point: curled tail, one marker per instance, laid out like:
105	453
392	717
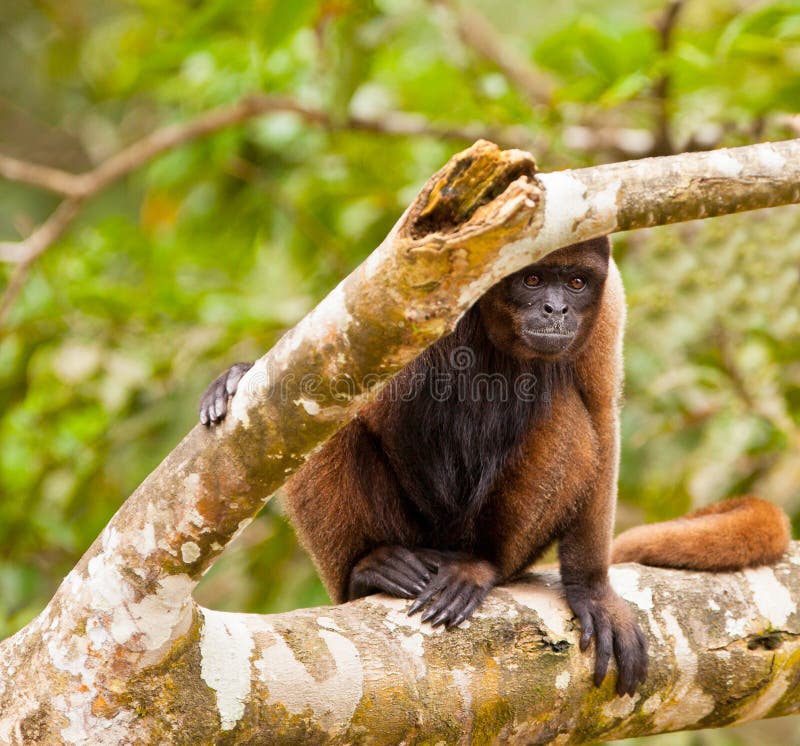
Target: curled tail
730	535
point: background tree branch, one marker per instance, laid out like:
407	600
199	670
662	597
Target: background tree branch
78	188
663	144
123	619
477	33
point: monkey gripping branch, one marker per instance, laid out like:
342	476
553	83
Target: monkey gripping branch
122	654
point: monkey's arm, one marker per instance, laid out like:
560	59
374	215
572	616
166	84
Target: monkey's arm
347	507
338	522
585	547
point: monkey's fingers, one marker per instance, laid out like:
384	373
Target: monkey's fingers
410	585
432	589
208	408
462	606
587	627
615	631
477	596
433	559
407	562
214	403
383	580
604	642
455	604
365	581
400	564
392	569
595	622
438	608
630	651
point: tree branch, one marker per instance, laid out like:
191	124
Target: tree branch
666	26
26	252
172	136
123	620
43	177
477	32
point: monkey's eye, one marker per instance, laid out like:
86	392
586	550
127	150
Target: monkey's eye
577	283
532	281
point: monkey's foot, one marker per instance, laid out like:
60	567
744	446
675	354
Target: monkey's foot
606	617
456	590
214	404
392	569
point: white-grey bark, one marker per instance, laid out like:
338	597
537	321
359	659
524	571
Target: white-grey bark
123	655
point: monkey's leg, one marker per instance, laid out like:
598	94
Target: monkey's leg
458	588
392	569
214	403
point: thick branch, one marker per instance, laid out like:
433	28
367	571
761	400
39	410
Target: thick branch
725	649
126	606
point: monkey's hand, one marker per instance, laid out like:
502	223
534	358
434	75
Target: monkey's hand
392	569
456	590
214	404
606	617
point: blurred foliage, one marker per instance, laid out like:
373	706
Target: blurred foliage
206	254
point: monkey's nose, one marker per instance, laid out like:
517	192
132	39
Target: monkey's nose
549	309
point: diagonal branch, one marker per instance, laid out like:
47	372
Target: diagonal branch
44	177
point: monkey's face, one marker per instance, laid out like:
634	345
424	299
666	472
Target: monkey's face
547	310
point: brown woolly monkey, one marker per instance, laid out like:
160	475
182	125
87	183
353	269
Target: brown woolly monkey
498	440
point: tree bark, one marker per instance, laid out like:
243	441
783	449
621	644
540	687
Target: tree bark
123	655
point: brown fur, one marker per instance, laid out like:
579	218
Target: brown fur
563	485
354	507
439	501
731	535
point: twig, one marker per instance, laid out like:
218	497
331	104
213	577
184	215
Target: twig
21	252
43	177
666	26
26	252
478	33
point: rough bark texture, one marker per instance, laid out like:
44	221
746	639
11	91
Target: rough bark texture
123	655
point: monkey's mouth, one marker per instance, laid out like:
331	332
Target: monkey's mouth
554	333
548	340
